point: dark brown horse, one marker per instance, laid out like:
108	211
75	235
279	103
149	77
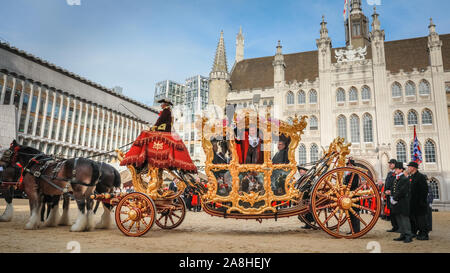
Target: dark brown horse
8	178
43	175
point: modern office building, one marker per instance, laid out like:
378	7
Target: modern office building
61	113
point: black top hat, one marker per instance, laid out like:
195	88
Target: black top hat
351	161
399	165
413	164
393	161
165	101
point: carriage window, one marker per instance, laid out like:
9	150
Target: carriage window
251	182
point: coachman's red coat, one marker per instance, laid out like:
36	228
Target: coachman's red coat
160	147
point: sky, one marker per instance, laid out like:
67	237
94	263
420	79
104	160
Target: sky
137	43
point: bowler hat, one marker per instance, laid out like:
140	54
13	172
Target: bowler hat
413	164
399	165
165	101
393	161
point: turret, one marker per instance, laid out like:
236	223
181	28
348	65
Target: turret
278	66
219	78
239	46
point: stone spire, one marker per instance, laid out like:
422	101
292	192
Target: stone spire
219	79
376	25
279	65
239	46
220	60
355	7
323	29
432	26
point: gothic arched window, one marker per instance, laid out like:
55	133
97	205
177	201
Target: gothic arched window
410	89
342	127
399	119
290	98
427	117
412	118
424	88
354	129
396	90
302	154
401	151
365	93
430	151
434	185
314	153
353	94
367	128
313	123
301	97
312	96
340	95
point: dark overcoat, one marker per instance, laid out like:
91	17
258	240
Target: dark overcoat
389	182
401	193
419	194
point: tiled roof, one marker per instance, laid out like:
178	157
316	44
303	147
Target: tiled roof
402	54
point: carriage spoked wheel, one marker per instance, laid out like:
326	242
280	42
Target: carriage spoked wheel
312	222
135	214
171	214
351	196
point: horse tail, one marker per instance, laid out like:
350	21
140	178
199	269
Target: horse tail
117	180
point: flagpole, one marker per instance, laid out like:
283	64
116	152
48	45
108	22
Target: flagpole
349	23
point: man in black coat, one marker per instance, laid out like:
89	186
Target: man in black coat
400	201
390	178
419	202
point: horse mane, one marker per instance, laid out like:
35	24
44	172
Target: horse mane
29	150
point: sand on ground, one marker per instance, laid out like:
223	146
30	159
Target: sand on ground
202	233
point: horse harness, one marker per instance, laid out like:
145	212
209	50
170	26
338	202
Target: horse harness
49	161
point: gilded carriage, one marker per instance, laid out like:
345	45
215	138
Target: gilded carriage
342	201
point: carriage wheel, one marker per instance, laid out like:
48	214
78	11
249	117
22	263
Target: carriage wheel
313	224
171	217
135	214
343	204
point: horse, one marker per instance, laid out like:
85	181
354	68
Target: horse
8	191
108	180
43	175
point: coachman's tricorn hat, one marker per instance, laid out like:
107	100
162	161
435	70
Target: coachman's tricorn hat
165	101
